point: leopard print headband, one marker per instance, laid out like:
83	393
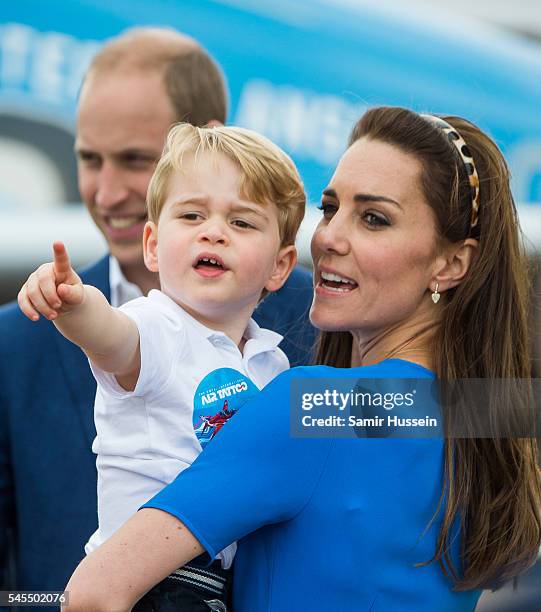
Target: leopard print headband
465	155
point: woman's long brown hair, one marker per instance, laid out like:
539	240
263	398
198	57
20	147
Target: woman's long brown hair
490	485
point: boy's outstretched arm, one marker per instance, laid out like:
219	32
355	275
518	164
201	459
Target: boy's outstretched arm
83	315
144	551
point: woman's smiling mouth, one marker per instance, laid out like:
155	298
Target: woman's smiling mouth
330	283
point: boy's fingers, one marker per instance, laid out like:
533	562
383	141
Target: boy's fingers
71	295
62	265
37	299
26	306
47	284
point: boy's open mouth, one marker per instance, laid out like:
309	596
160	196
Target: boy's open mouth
209	265
208	262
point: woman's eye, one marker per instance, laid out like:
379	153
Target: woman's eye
328	209
374	220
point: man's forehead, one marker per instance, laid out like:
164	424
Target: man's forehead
125	95
120	137
121	148
122	74
117	115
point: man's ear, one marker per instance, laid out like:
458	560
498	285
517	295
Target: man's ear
284	264
455	262
150	246
214	123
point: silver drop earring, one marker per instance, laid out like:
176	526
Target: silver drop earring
435	295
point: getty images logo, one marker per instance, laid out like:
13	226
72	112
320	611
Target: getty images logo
334	399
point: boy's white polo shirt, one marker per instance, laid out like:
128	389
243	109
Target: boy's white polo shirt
191	377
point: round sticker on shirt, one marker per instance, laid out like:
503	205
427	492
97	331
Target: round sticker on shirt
217	398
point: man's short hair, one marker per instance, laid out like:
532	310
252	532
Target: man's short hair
268	174
192	79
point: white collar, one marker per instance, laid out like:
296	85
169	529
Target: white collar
122	290
254	332
257	338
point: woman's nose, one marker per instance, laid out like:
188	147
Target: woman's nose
331	237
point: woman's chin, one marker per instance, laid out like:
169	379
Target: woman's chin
326	321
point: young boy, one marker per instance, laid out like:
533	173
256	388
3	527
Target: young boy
224	207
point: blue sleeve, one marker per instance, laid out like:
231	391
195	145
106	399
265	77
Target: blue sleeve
286	312
253	474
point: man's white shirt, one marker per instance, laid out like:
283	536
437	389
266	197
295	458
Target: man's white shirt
122	290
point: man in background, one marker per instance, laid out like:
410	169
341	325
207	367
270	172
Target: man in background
137	86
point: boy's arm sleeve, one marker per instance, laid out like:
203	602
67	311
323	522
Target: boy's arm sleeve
253	474
161	343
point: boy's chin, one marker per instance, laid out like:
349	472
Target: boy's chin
210	308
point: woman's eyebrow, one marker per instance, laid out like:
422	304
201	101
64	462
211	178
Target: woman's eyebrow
362	197
371	197
330	192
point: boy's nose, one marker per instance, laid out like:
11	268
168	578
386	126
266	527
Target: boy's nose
214	233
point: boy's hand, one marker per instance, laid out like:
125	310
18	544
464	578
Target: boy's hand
54	288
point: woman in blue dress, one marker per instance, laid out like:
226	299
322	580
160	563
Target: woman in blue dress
419	273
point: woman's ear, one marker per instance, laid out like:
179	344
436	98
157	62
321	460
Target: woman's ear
455	262
150	246
284	264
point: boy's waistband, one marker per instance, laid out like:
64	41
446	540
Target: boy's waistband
212	580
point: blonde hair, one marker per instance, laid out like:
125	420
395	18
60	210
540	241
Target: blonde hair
193	81
268	174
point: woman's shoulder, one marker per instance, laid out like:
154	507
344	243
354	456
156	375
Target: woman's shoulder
398	368
389	368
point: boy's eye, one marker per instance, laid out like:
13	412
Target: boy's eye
374	220
242	224
328	209
191	216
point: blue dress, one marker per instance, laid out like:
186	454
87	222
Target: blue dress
324	524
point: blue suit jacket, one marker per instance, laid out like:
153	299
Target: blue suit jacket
47	469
